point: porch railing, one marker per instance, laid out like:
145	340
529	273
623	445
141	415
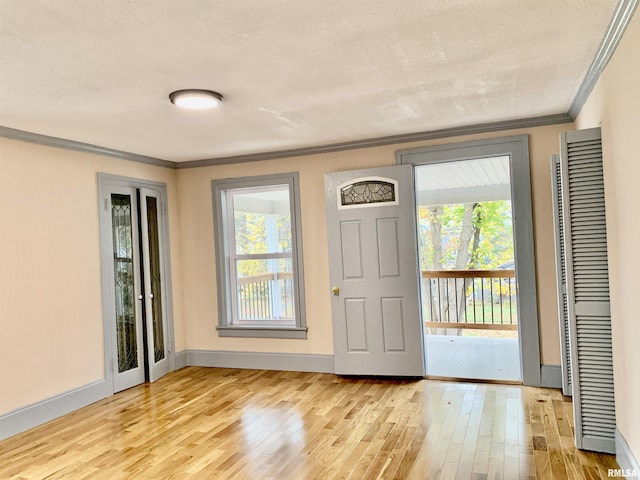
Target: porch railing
267	296
472	299
452	299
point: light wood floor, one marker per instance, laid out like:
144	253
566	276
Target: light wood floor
247	424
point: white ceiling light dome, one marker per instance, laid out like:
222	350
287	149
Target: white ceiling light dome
196	99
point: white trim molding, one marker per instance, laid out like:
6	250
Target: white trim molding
30	416
618	24
516	147
527	122
223	192
316	363
551	376
33	415
625	457
108	183
180	360
56	142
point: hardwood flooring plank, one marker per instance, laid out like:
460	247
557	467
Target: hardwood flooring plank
202	423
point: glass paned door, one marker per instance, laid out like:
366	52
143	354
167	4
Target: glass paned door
135	299
128	330
153	286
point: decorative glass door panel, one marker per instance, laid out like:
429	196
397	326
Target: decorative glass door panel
375	302
129	359
124	282
153	286
154	273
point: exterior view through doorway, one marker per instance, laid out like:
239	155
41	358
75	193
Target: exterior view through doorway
467	264
494	286
376	273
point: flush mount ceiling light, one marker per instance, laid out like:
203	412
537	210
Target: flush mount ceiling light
195	99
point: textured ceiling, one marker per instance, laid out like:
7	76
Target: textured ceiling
294	73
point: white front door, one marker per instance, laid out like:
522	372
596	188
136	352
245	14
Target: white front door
373	261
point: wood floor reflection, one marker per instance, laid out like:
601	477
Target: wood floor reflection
248	424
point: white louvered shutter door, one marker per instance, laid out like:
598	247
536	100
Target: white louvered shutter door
561	274
588	290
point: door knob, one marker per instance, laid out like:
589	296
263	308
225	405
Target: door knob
151	295
139	297
335	291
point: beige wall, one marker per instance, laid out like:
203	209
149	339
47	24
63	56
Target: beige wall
615	106
50	295
196	234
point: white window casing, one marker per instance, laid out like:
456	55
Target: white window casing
269	302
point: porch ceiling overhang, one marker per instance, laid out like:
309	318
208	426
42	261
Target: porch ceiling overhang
486	179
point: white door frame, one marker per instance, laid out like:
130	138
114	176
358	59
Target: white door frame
517	148
107	182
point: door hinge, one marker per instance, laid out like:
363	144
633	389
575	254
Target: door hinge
113	365
106	204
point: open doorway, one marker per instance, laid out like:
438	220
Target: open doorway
467	265
515	151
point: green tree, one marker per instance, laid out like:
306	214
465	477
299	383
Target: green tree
251	238
462	237
465	236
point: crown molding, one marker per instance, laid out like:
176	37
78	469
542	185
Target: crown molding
294	152
381	141
56	142
619	21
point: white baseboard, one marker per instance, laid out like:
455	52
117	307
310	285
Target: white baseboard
551	376
625	457
30	416
180	360
261	361
38	413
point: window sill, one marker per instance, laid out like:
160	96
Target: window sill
262	332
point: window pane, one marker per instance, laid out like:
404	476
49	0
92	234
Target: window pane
265	290
364	193
261	220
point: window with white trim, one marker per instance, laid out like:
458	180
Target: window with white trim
259	256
